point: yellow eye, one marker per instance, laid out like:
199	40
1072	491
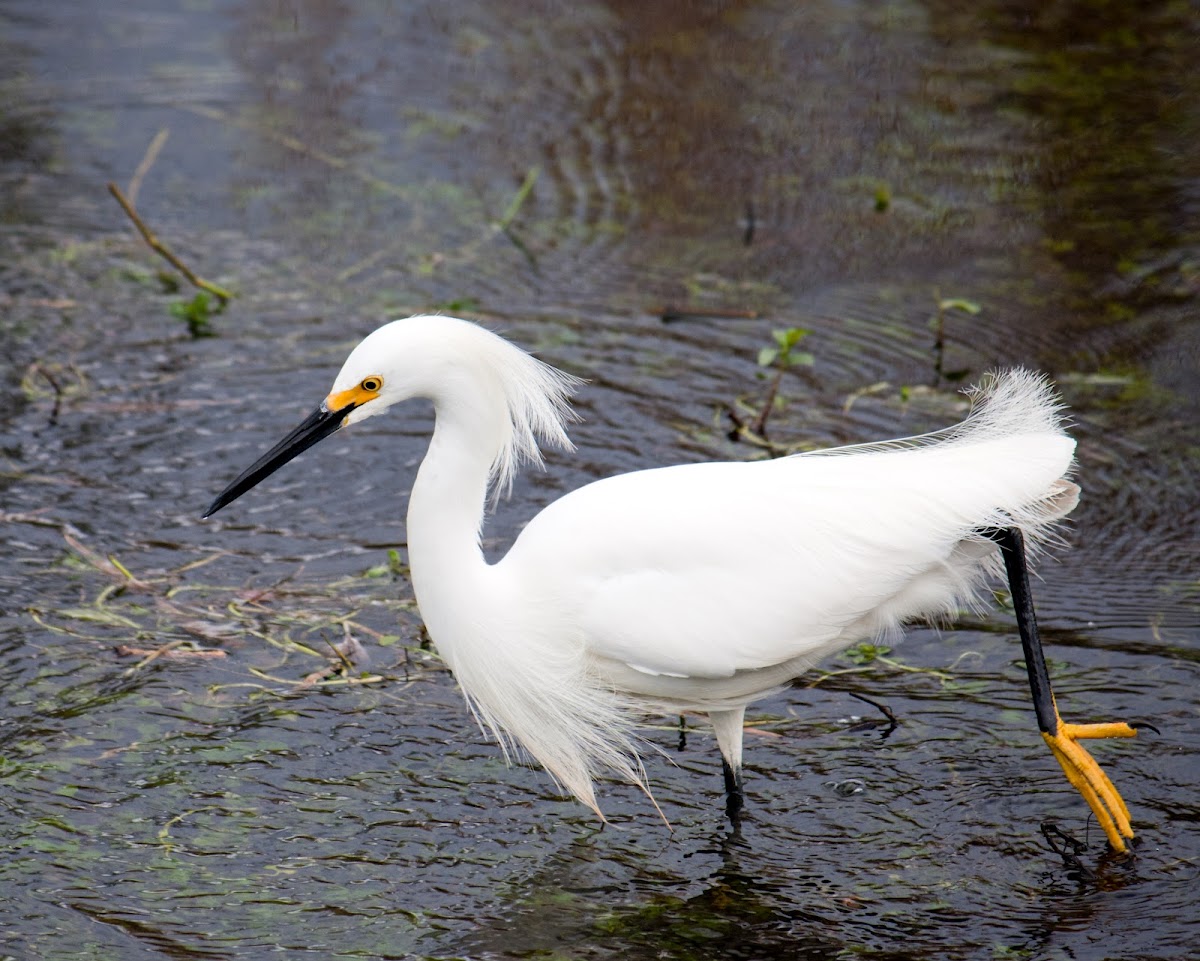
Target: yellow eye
371	384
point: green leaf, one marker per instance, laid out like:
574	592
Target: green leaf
196	313
766	356
866	652
793	335
957	303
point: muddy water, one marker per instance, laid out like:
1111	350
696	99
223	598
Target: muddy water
186	774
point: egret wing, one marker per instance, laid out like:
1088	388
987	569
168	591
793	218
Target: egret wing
709	569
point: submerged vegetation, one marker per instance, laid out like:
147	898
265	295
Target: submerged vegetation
194	755
313	629
937	324
197	313
775	361
296	633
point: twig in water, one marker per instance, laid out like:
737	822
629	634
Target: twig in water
741	431
504	224
882	709
169	651
151	155
37	520
223	295
519	198
760	424
368	261
938	323
1069	850
58	392
669	313
150	656
302	148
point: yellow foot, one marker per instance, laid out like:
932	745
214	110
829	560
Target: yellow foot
1089	780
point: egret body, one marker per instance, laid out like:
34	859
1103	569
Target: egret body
699	587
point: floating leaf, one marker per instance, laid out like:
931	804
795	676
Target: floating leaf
865	652
958	303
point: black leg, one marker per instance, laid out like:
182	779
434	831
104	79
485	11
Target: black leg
735	796
1012	549
1061	737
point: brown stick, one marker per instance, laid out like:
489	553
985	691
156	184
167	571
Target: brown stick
760	424
300	147
169	651
165	252
152	152
37	368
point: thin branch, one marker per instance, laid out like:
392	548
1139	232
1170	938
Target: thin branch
300	147
522	194
162	250
37	368
760	424
152	152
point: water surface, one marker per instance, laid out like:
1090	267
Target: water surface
182	779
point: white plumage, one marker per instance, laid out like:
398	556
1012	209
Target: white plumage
702	586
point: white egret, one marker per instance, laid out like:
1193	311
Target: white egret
699	587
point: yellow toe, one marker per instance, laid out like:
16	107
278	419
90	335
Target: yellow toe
1108	729
1090	780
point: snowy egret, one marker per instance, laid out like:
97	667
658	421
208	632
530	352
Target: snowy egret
703	586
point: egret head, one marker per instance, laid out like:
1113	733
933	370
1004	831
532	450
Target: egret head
515	399
366	385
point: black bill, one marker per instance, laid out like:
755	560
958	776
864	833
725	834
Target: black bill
317	426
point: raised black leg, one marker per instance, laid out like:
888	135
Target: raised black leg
1012	549
1061	737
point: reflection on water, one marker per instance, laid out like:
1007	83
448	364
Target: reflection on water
1117	137
185	769
732	911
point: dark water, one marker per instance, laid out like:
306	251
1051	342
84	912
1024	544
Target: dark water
838	167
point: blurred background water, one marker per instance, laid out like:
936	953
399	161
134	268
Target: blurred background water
187	770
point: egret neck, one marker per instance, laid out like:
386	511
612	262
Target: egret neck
450	576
